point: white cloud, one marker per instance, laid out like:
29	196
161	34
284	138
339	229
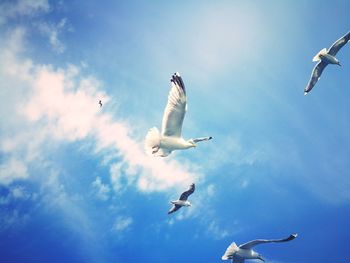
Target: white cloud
12	170
70	111
102	190
12	9
62	105
121	224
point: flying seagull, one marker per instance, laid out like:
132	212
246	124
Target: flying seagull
177	204
100	102
325	57
170	139
239	253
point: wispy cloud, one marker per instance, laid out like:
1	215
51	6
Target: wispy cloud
121	224
11	215
12	218
12	170
11	9
216	231
53	31
102	190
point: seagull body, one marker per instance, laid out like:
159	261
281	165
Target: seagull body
182	201
173	143
325	57
329	59
242	252
170	139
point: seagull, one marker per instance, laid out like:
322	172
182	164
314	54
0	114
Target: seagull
239	253
100	102
170	139
177	204
325	57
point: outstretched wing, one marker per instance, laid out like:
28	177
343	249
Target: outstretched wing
187	193
253	243
237	260
337	45
175	110
230	251
174	208
315	76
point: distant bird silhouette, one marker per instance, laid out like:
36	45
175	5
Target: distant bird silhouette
239	253
100	102
325	57
177	204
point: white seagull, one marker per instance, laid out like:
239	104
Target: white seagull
170	139
325	57
177	204
242	252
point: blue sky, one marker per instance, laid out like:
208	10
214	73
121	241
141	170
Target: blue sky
75	184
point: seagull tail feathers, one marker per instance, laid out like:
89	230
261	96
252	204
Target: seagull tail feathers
317	57
152	142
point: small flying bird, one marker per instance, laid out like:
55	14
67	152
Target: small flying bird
100	102
242	252
177	204
325	57
170	139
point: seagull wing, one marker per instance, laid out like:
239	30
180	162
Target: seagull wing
253	243
230	251
315	76
237	260
337	45
175	110
187	193
174	208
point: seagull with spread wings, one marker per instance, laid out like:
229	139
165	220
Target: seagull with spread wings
325	57
177	204
170	139
245	251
